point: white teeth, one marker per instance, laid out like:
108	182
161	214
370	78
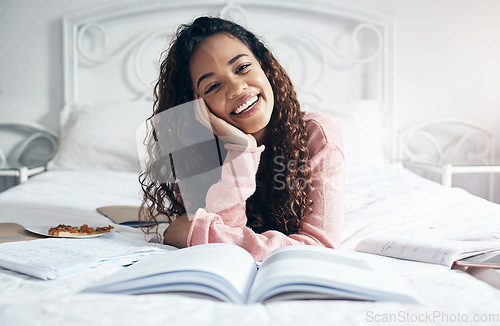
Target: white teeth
246	105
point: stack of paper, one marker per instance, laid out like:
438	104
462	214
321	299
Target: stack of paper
54	257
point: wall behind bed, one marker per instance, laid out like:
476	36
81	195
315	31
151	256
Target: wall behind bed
446	65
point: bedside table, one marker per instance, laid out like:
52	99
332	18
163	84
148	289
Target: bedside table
448	170
16	165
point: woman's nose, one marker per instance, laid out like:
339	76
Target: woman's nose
236	87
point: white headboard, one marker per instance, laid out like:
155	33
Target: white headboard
332	52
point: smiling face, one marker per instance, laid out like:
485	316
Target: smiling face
230	79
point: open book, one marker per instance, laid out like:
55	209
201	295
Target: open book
124	214
229	273
426	250
121	214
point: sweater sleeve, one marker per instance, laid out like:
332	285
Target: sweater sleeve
227	198
319	227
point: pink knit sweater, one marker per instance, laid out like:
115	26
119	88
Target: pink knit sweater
224	218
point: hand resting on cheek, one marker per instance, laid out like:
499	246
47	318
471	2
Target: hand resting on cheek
221	128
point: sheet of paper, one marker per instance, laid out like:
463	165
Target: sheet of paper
52	257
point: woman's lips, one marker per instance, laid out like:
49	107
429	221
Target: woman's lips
245	100
250	111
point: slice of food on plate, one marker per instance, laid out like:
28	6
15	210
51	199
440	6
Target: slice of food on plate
63	230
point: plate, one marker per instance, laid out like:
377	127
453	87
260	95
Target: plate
44	230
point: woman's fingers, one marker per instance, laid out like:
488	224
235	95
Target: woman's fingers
201	113
207	118
222	129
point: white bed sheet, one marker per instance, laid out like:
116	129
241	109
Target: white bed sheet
392	200
70	197
381	199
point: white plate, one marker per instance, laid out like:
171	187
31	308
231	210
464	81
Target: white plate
44	230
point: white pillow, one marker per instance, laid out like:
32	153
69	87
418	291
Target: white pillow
363	137
100	136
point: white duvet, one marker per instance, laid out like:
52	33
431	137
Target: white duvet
386	199
393	200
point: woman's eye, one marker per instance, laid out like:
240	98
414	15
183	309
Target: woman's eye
243	67
211	88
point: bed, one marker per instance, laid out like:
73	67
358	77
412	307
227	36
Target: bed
341	60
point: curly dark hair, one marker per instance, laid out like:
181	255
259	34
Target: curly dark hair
278	203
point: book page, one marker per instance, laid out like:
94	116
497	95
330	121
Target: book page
427	250
52	257
487	260
218	266
310	272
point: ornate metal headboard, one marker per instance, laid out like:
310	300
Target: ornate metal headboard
449	141
332	52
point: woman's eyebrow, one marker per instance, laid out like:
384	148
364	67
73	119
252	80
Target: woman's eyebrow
210	74
230	62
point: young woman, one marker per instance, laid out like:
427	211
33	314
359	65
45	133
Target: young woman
282	181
